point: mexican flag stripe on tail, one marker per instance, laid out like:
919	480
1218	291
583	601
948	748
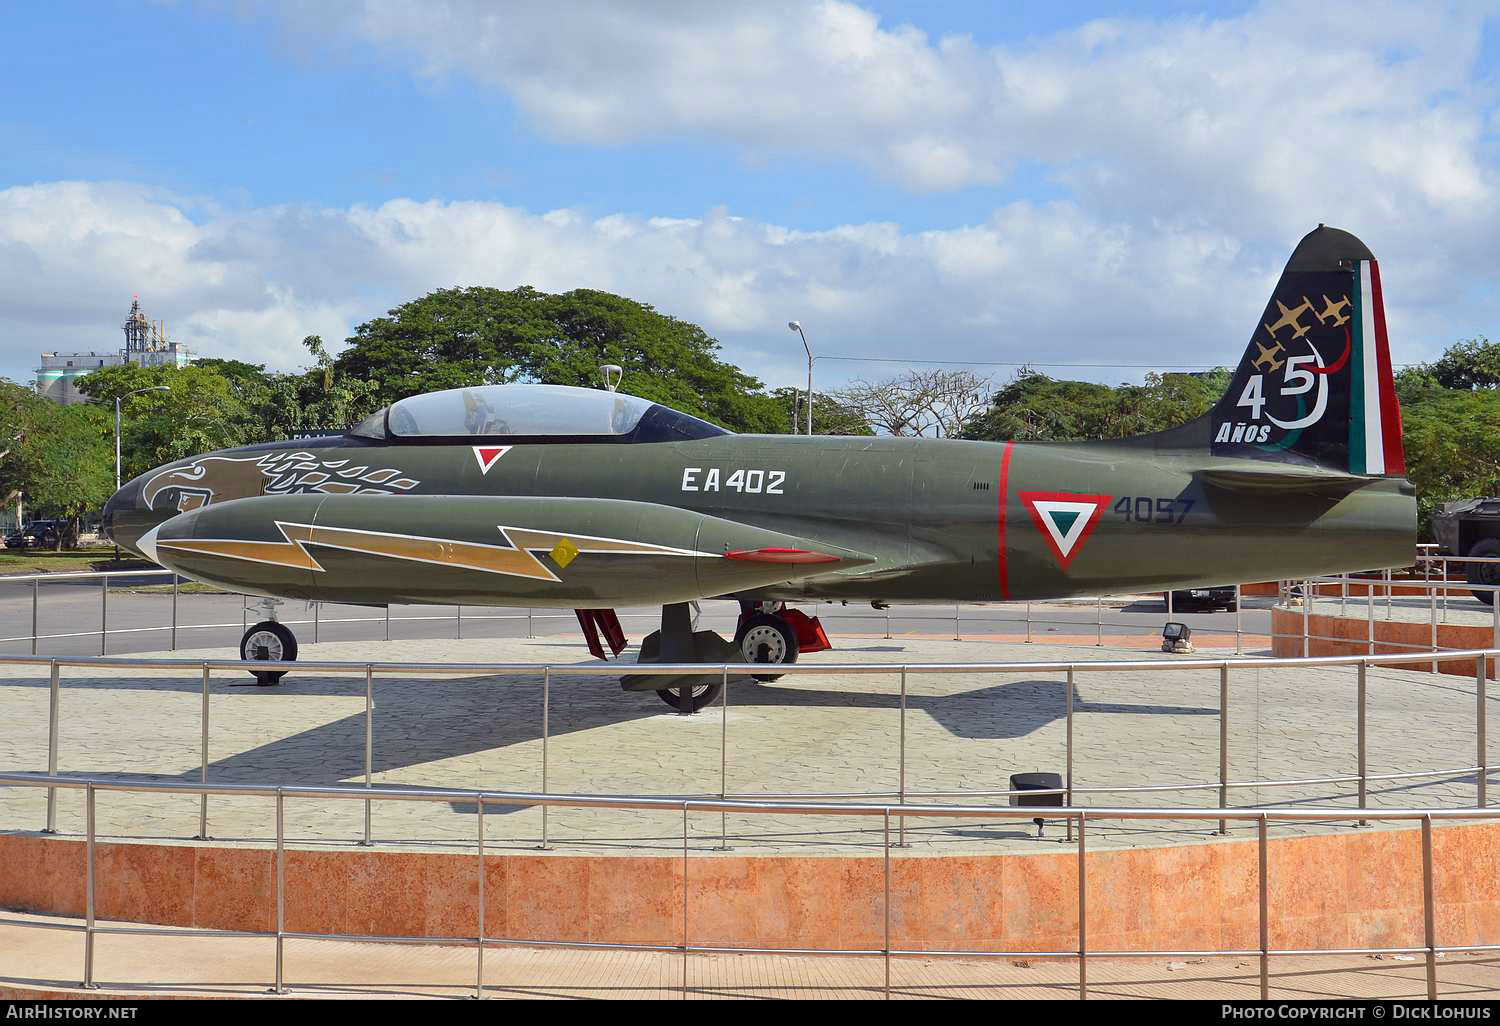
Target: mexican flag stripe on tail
1374	416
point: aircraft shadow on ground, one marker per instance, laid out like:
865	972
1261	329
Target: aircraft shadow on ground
418	722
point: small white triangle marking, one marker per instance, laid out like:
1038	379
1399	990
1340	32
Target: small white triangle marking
1065	541
488	455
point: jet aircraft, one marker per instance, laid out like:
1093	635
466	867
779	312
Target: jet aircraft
587	499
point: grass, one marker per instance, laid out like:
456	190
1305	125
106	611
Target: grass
96	558
47	561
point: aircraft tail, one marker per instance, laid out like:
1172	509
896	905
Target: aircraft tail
1315	386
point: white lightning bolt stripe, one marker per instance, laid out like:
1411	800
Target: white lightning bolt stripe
515	560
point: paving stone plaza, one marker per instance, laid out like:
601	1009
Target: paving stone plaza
834	734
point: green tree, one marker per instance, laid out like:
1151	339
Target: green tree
1468	364
199	412
469	336
55	458
1452	448
830	417
1035	407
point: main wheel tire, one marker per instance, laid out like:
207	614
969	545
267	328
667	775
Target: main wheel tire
268	640
764	638
699	697
1485	573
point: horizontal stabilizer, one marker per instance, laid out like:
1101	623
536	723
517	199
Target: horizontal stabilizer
1284	478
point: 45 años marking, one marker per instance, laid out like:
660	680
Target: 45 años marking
749	482
1147	509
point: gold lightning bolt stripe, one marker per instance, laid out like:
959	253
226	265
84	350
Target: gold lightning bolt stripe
516	560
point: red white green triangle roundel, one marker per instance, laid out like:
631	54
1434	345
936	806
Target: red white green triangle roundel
1065	519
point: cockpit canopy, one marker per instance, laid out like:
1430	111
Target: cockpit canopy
531	413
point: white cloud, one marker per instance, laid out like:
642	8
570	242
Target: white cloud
1355	111
1033	282
1195	141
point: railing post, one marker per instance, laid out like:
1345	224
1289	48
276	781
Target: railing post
1343	592
955	623
1429	931
724	756
1359	735
888	623
1224	745
369	744
1432	609
546	716
1370	616
53	726
1238	621
479	945
460	617
88	869
174	612
901	760
1388	592
529	633
1265	924
317	615
1068	751
280	891
684	899
103	613
1306	618
36	598
886	904
1099	607
1480	718
1083	909
387	622
203	762
1028	623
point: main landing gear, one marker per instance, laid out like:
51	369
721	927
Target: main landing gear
677	642
767	632
270	641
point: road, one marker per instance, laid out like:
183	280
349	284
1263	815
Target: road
70	613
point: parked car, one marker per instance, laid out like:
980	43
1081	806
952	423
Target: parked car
1207	599
1472	528
35	535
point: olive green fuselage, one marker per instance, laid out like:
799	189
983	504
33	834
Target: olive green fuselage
934	520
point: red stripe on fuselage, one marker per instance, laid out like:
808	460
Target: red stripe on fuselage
1390	409
1001	569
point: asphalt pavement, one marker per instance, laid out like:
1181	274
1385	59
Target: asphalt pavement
70	614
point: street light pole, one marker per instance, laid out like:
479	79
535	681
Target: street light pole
797	327
118	398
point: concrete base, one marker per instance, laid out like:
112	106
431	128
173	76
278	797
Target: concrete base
1330	635
1350	889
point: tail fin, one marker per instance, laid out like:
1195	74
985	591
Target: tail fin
1315	385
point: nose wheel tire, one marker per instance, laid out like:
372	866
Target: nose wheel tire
764	638
1485	573
700	697
271	641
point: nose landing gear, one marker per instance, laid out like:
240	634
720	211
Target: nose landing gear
268	641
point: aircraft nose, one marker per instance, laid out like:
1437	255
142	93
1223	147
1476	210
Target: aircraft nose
126	517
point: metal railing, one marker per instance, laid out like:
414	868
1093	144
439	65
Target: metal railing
972	614
1308	591
1069	791
995	613
481	940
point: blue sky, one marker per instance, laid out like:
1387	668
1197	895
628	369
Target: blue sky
968	181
